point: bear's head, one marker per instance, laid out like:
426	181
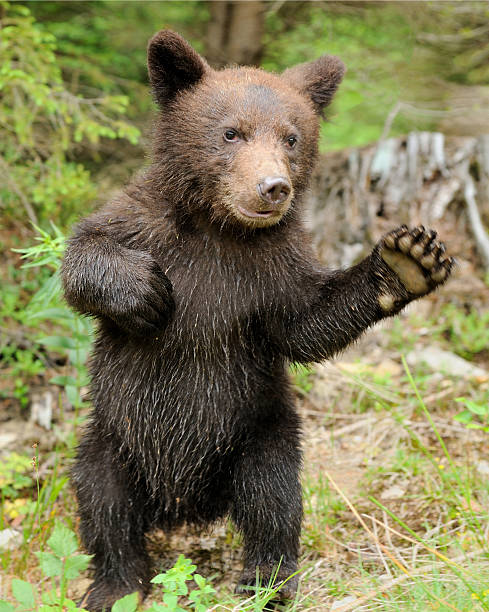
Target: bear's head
235	147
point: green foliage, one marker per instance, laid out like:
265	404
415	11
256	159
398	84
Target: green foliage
475	415
322	510
129	603
41	120
375	43
47	324
467	332
61	563
302	376
75	336
174	586
459	31
96	49
14	474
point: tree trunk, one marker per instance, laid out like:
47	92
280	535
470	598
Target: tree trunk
234	33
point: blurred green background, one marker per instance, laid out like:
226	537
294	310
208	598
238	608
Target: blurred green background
75	106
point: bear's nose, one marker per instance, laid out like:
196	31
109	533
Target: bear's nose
274	189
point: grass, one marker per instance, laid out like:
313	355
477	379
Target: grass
421	546
396	493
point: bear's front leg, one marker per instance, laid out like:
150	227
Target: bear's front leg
101	277
267	505
404	266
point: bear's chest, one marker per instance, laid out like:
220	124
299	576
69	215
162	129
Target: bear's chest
219	292
224	292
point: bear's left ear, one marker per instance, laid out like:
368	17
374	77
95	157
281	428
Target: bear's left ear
172	65
317	80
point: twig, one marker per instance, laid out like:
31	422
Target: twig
480	234
389	121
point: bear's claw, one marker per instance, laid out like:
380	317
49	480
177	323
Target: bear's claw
417	258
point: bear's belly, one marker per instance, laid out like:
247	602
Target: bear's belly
180	414
172	383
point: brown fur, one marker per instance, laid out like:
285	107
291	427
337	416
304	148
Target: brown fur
201	307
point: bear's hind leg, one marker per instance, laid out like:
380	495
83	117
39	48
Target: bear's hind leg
113	523
267	504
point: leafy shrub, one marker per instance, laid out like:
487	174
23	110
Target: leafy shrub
47	305
61	563
41	123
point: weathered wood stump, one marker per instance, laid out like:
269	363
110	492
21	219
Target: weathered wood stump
359	194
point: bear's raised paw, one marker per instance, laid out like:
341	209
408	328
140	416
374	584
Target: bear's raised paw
417	258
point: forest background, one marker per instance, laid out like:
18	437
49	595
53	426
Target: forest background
75	122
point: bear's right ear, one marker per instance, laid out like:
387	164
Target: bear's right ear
172	65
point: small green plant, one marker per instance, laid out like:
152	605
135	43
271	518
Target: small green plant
14	475
61	563
475	415
47	306
174	586
467	332
322	509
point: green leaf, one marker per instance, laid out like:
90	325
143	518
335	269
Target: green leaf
51	313
59	342
129	603
50	597
50	564
159	579
463	417
5	606
72	395
24	593
478	409
75	565
63	381
200	581
62	541
171	600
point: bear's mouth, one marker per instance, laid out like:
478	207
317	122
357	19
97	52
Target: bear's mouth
257	214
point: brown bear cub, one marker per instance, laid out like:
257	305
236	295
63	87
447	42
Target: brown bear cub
204	287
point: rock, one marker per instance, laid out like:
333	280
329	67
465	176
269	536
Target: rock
337	605
42	408
6	439
10	539
448	363
393	492
483	467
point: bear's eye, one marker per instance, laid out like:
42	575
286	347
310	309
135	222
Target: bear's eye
231	135
291	141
